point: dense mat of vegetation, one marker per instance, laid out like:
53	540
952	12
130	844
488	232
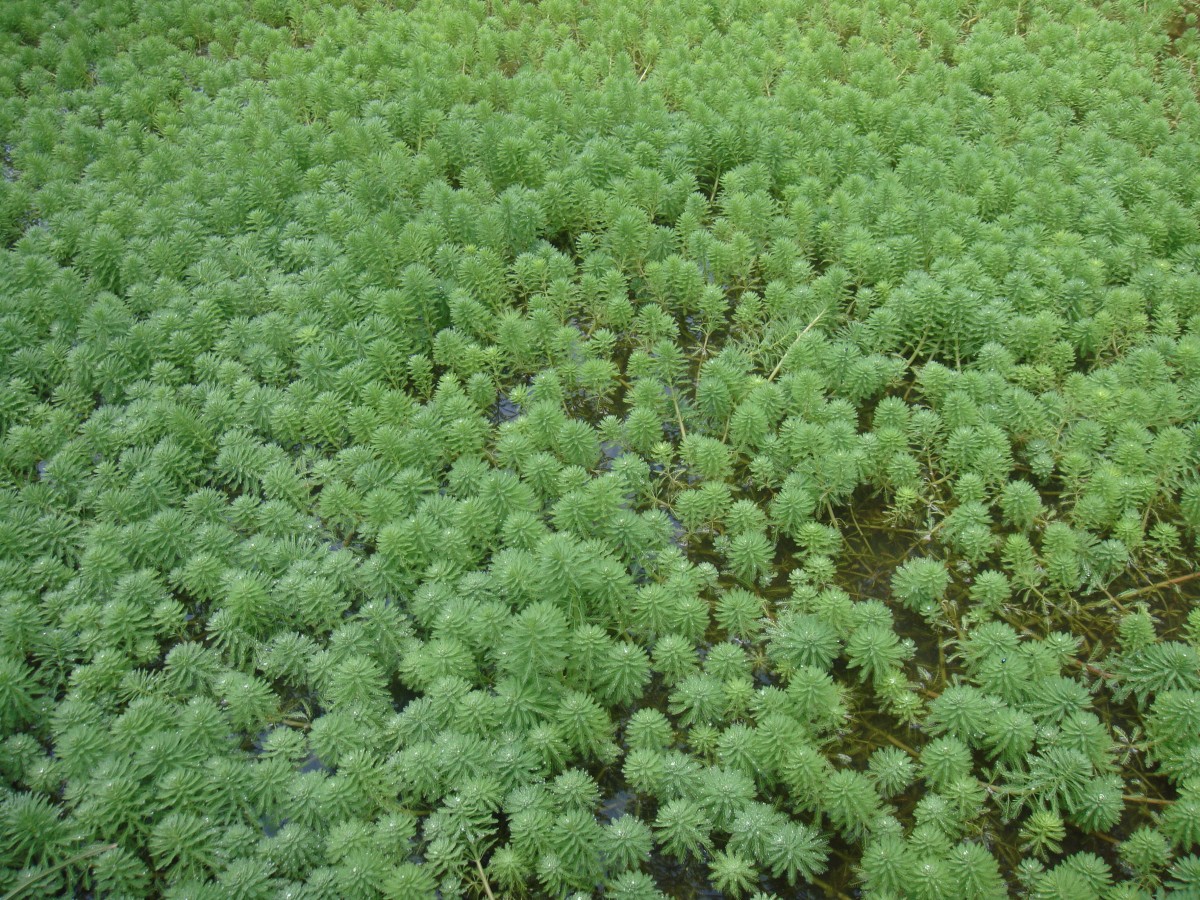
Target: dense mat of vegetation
498	448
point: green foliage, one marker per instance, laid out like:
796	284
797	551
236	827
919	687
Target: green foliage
875	650
849	800
964	713
732	874
739	613
17	690
1145	852
799	639
892	770
796	851
505	448
681	829
1042	833
1147	671
750	555
1181	822
920	584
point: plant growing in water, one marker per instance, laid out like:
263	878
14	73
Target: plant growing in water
531	449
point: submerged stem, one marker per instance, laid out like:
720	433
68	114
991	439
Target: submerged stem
1150	588
487	888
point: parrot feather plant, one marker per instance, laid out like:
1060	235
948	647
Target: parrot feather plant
632	449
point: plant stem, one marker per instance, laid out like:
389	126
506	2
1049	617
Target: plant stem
1148	801
895	741
41	876
678	415
807	329
1170	582
487	888
830	890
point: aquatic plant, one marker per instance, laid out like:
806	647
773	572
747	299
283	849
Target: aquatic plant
529	449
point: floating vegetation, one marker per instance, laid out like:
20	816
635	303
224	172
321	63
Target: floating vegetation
500	449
